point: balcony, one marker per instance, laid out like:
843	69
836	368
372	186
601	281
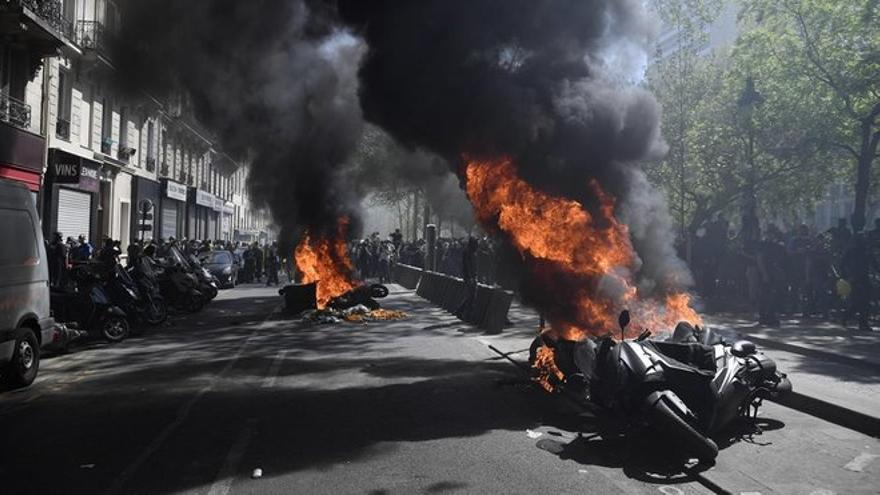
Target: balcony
62	129
92	35
14	112
49	14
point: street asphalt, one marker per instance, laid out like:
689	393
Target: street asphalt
422	405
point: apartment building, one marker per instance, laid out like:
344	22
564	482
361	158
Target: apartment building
102	164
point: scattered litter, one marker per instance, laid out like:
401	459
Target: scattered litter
583	471
86	466
258	473
355	314
860	462
533	434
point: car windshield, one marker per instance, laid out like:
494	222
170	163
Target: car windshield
219	258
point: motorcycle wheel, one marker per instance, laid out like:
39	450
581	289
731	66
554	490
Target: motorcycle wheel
691	442
157	312
210	292
114	329
378	291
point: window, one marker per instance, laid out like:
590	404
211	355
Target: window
123	152
18	225
151	137
62	125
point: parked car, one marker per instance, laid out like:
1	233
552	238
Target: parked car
25	321
223	265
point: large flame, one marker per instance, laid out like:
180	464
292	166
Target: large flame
580	262
324	259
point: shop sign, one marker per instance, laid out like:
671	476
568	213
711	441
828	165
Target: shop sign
204	198
89	178
175	190
218	204
229	208
66	172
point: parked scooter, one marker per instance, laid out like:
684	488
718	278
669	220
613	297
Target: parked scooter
87	307
178	284
688	387
208	284
139	305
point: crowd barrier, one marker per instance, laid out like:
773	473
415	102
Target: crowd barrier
491	304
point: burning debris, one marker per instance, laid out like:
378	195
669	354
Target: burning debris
354	314
324	260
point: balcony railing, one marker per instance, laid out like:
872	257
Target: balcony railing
163	170
93	35
62	129
51	11
14	112
106	146
151	164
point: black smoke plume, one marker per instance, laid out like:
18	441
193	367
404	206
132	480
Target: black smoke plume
275	80
524	79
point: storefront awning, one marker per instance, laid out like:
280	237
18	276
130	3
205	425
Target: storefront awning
27	177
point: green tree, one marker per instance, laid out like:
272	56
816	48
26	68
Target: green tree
821	61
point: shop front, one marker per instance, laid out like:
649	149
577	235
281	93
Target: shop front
173	210
22	157
203	220
226	214
71	207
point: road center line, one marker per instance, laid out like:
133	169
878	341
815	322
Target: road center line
182	414
223	484
269	381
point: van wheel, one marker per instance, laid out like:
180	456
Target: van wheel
22	370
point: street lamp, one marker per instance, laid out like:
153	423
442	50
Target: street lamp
748	100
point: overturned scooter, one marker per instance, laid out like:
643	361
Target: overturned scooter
688	387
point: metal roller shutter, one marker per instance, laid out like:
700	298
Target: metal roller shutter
74	213
169	219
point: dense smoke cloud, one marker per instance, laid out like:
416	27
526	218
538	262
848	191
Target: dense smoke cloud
275	80
524	79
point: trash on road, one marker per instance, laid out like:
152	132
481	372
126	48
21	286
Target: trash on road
258	473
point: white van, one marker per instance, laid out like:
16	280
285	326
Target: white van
25	324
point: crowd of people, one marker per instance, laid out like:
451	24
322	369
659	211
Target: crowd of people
258	261
795	272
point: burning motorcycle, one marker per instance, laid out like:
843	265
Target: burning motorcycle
688	387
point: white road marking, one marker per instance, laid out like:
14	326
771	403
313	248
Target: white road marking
182	414
670	490
860	462
269	381
223	484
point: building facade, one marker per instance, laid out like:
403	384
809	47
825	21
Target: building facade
102	164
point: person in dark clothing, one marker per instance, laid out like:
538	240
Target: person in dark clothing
469	274
771	258
857	264
840	237
396	239
57	254
272	263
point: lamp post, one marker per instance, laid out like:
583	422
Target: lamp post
748	100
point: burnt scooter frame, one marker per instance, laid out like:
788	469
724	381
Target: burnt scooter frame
637	384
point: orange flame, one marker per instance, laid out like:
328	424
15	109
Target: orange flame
565	245
545	365
325	260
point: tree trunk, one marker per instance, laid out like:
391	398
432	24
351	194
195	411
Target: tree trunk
867	152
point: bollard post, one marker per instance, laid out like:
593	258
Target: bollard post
431	241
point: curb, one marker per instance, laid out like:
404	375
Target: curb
814	353
847	418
